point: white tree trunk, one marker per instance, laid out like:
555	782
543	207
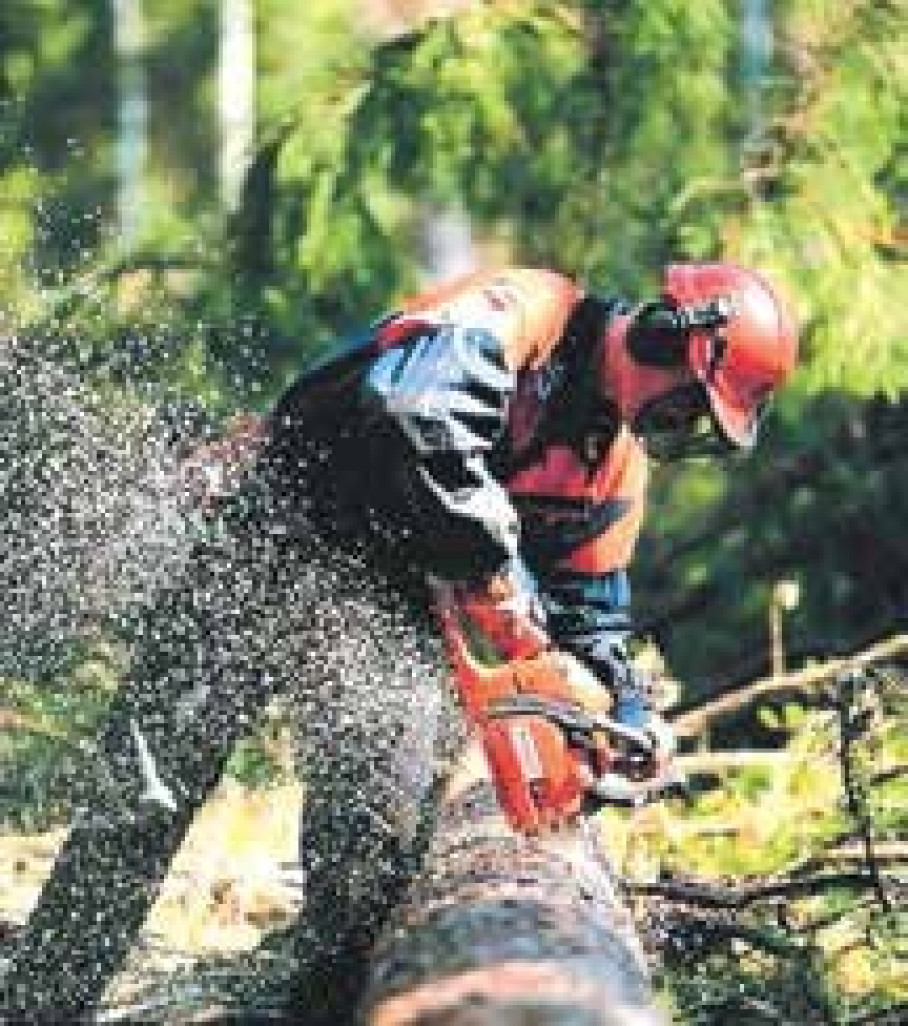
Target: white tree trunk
448	248
756	53
132	116
236	97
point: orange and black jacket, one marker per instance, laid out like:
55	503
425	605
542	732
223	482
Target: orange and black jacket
469	425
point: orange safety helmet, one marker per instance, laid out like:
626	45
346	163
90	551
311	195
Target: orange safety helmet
741	340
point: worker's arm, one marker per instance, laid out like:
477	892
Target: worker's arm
589	615
438	407
439	396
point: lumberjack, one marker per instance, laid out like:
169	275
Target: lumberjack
483	452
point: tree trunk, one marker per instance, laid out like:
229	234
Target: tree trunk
503	929
132	116
236	98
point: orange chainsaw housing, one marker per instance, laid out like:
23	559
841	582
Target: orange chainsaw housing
539	779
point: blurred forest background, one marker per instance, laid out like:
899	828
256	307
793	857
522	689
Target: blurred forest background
199	196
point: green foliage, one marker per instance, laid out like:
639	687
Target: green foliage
817	957
44	47
604	139
832	181
42	724
519	115
820	504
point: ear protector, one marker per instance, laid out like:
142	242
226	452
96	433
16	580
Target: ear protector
660	330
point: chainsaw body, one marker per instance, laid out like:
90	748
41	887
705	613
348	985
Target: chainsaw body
553	750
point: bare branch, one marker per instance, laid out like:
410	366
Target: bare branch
711	896
730	759
694	721
883	1016
855	789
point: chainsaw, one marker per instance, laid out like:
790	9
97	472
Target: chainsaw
552	748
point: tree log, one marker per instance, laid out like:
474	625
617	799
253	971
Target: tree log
503	929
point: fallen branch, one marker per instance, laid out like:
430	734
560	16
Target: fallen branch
694	721
501	928
891	1016
884	854
692	935
712	896
887	775
730	759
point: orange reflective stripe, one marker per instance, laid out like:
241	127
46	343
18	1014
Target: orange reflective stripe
526	308
622	474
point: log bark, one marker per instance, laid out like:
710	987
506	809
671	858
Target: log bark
502	929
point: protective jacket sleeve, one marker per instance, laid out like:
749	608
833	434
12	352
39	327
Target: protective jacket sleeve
443	387
444	398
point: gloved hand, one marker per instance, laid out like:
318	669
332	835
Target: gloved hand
660	730
634	707
505	611
536	717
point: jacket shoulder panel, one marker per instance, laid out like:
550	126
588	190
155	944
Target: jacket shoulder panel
525	308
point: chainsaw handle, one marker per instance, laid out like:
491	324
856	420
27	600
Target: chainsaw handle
617	790
574	721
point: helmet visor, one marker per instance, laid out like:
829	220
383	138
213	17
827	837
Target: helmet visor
681	424
738	410
738	401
